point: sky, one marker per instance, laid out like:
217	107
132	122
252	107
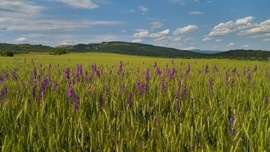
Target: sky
182	24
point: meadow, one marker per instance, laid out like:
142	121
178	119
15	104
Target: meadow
108	102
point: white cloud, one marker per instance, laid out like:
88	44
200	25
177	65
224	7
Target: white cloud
27	24
155	25
243	25
22	15
222	29
231	44
143	9
21	39
219	40
261	29
244	21
245	46
196	13
137	41
185	30
141	33
159	34
19	8
206	39
86	4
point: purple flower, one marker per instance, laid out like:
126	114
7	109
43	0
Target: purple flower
14	75
138	85
120	68
1	79
102	103
129	99
55	85
144	88
79	72
234	70
76	102
179	84
35	72
176	95
3	91
123	87
67	73
158	71
232	125
184	92
187	71
107	89
34	91
177	106
98	73
43	87
147	76
94	68
163	84
232	120
249	77
255	68
70	92
206	68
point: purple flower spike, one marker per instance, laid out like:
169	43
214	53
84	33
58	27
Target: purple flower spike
232	125
184	92
70	92
67	73
234	70
76	102
147	76
129	99
206	68
120	69
163	84
102	103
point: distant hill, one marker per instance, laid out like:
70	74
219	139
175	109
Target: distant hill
134	49
24	48
244	54
138	49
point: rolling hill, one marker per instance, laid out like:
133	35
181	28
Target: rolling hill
138	49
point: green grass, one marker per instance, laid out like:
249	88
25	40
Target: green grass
111	117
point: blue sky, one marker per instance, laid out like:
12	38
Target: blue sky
181	24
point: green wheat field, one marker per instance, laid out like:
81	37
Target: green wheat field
108	102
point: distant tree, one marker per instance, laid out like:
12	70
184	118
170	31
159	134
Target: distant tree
7	53
58	52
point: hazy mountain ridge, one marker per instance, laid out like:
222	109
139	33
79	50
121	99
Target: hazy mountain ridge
137	49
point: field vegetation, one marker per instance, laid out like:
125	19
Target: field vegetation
109	102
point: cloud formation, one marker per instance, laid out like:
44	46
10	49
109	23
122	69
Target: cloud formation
143	9
141	33
185	30
86	4
155	25
243	27
21	15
